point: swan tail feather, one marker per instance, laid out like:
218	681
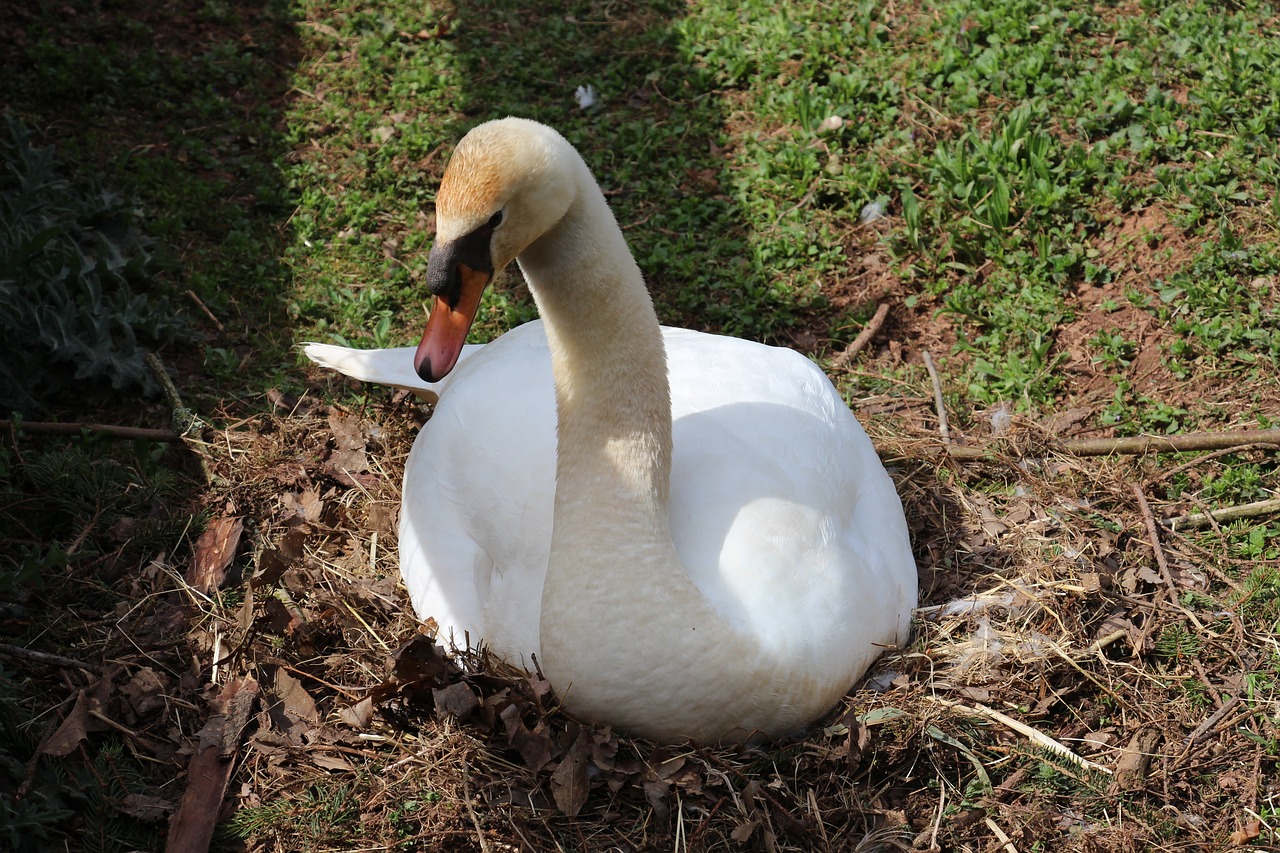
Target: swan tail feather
393	367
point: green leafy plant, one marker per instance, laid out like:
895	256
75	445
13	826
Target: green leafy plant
74	269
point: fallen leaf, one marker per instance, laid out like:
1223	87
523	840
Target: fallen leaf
305	505
535	747
298	703
1135	761
332	762
348	456
145	691
73	729
569	785
1246	833
655	792
421	659
359	715
457	700
145	807
215	549
743	832
1065	421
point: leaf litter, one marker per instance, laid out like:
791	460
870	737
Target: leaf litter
1055	666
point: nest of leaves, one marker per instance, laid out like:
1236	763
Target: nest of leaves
1081	676
1072	683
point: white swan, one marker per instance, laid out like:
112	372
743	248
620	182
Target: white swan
711	551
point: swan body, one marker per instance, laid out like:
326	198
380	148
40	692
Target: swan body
692	532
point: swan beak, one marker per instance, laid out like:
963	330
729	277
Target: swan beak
448	325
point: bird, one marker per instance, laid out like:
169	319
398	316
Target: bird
689	535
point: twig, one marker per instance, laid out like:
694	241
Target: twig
45	657
185	422
146	743
1164	475
1153	536
1230	513
1100	644
471	809
999	833
108	430
1171	443
1134	445
937	399
1022	728
864	337
205	309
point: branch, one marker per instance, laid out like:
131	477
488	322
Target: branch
937	400
1143	444
108	430
864	337
1230	513
45	658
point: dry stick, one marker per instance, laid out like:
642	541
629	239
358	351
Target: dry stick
1000	836
205	309
1153	535
1236	439
1206	458
108	430
45	657
864	337
1231	513
471	809
185	420
937	399
1022	728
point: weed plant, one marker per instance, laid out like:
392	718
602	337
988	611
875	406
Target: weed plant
75	271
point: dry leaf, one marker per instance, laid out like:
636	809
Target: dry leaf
569	785
332	762
1251	830
215	549
359	715
458	700
73	729
743	832
1135	762
145	807
298	703
348	456
305	505
534	747
145	691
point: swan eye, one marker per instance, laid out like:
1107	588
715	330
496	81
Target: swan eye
495	220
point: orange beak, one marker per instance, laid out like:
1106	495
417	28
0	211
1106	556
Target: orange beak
448	325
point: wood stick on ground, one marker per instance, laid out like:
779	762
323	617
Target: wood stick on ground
864	337
1153	536
45	658
1200	460
205	309
1134	445
943	427
208	774
107	430
1022	728
1004	840
471	809
1230	513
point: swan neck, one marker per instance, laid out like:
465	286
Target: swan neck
613	398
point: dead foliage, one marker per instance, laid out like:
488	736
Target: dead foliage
1081	677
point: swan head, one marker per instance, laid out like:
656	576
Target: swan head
508	183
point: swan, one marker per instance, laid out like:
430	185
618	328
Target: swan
691	533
